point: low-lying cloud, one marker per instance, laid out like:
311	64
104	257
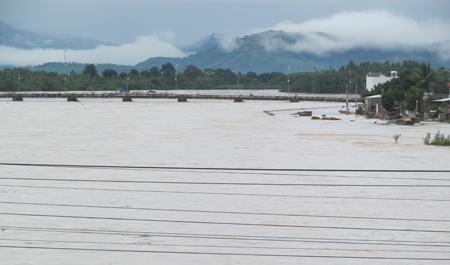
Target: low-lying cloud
126	54
380	29
228	44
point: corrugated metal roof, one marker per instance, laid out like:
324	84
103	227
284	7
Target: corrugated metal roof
374	96
442	100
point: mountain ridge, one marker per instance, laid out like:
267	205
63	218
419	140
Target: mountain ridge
269	51
26	39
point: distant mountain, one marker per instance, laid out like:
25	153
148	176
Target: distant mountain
211	40
25	39
261	53
268	51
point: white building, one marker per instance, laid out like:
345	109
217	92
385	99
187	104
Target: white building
375	78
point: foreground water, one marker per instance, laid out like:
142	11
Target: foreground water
71	215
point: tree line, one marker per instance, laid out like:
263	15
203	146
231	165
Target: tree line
408	90
167	77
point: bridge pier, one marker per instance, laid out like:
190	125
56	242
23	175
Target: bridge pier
127	99
182	100
17	99
238	100
72	99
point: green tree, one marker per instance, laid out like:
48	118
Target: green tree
388	99
167	70
134	72
90	70
424	76
413	95
155	71
192	72
109	73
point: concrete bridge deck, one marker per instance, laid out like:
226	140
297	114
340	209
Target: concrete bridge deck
175	96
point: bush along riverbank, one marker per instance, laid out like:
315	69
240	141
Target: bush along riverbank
439	139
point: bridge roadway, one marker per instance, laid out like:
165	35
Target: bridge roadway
175	96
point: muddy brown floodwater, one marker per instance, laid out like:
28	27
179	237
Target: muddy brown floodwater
194	209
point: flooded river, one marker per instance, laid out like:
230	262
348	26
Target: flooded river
217	182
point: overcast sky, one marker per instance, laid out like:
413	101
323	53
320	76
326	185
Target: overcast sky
147	28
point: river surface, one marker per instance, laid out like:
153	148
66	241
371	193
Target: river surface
206	182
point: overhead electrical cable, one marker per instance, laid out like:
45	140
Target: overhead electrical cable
230	169
226	253
389	242
223	212
409	230
218	246
231	183
226	193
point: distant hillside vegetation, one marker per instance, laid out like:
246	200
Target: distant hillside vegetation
251	54
259	53
25	39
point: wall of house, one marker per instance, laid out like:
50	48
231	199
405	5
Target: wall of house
373	105
371	82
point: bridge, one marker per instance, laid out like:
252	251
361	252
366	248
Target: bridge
19	96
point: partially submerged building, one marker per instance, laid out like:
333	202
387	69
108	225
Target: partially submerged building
375	78
373	104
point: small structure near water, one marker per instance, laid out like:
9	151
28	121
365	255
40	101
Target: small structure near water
324	117
305	113
127	99
399	120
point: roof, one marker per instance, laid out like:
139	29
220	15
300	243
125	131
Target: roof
374	96
442	100
375	74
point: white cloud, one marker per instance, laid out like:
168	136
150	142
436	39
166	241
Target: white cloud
126	54
228	44
376	29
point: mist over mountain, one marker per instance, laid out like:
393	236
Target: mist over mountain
271	51
268	51
25	39
211	40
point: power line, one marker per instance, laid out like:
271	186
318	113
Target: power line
218	246
225	254
223	212
223	223
237	237
260	173
230	169
229	183
228	193
303	175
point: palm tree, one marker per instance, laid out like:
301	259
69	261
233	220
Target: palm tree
425	78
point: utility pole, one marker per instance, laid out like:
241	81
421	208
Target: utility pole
65	66
19	79
127	80
346	88
356	97
176	81
288	80
238	79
